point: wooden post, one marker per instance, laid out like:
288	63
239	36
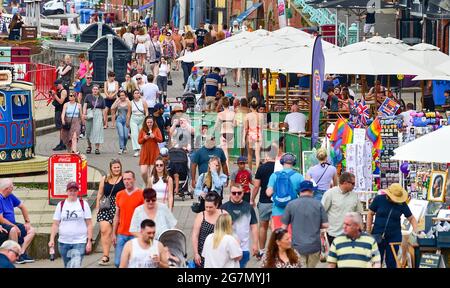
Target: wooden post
267	87
287	92
389	84
363	85
246	83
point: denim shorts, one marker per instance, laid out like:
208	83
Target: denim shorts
265	211
72	254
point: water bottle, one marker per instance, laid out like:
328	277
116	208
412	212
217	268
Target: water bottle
52	254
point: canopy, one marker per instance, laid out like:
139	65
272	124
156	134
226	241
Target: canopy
428	57
365	58
430	148
247	12
392	44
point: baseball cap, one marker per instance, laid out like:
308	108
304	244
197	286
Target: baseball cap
159	106
72	185
242	159
307	185
210	142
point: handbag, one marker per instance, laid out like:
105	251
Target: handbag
169	81
105	202
67	126
157	53
90	111
380	236
198	207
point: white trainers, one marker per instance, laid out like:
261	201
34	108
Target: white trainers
137	153
120	151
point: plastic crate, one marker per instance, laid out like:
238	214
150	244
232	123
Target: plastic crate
427	242
443	239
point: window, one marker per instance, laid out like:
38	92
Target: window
20	107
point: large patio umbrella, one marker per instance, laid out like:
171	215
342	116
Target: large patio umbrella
430	148
364	58
227	44
392	44
429	57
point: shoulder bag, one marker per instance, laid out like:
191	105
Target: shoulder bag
380	237
317	183
105	201
67	126
90	111
157	53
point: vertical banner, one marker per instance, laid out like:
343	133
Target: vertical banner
281	13
318	69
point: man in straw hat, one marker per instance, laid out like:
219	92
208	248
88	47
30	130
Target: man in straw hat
388	209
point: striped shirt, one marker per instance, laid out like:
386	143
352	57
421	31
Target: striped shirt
361	252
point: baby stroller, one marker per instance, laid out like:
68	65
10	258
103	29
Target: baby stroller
188	99
179	164
175	241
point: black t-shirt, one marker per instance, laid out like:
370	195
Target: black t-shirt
162	124
200	33
370	18
59	107
86	90
263	174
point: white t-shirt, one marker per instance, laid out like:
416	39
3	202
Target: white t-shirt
296	122
128	38
164	219
150	92
72	226
222	256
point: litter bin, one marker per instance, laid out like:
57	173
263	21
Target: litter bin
353	34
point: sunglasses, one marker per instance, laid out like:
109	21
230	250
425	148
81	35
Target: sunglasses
150	200
159	165
279	231
15	252
138	78
237	193
88	77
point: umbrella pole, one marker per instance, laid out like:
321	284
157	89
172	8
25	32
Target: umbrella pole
363	88
287	92
422	87
261	88
246	83
267	86
389	84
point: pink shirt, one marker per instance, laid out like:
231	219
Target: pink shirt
83	69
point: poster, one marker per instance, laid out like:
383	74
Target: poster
418	209
389	107
281	13
359	136
359	163
63	174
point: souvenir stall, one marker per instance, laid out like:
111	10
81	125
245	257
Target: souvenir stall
425	176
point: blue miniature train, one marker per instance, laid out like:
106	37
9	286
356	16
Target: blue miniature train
17	138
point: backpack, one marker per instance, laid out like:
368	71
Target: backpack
284	191
81	203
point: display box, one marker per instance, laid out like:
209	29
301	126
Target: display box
443	239
427	242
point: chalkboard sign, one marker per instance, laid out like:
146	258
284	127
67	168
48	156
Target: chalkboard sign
431	261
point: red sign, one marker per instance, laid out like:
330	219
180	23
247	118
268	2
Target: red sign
64	168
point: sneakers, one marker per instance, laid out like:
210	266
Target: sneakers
24	258
260	255
60	148
120	151
81	136
137	153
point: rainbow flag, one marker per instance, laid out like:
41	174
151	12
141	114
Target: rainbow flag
374	134
342	131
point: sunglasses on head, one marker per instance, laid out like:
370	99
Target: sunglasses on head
237	193
150	200
279	230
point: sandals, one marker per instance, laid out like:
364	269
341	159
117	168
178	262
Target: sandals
104	261
97	151
89	150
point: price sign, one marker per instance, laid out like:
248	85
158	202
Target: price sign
429	260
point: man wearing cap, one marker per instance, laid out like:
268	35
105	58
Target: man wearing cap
307	217
339	200
288	160
72	221
59	99
193	81
201	158
242	176
150	93
388	209
21	233
213	83
162	123
235	28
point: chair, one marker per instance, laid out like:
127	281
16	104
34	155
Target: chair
405	257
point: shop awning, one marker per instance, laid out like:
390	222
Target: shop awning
146	6
247	12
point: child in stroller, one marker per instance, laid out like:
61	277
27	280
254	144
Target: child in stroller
174	241
179	171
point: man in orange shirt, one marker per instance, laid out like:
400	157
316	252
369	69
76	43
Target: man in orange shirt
126	201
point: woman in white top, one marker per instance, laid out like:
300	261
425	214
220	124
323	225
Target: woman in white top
222	249
162	183
123	108
144	251
153	210
72	220
141	47
161	81
111	88
139	111
129	38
